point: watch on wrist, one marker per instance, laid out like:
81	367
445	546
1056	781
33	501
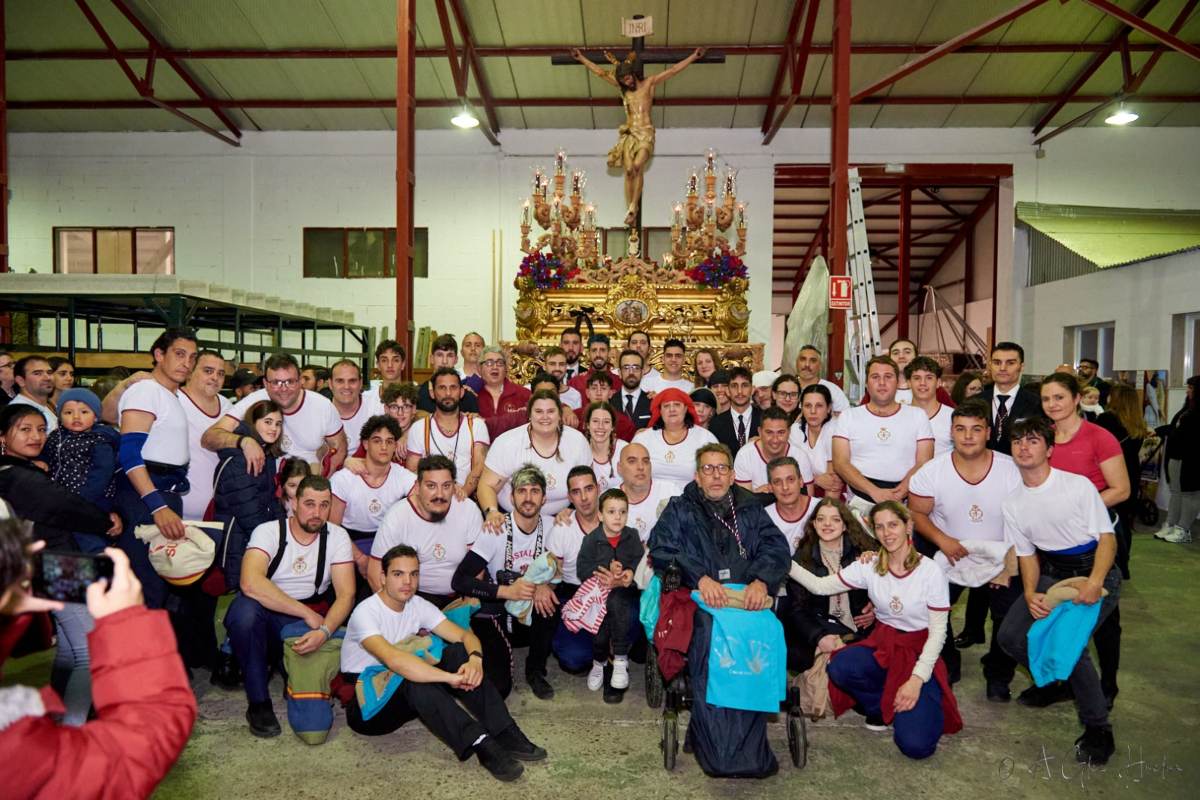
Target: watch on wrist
323	628
475	653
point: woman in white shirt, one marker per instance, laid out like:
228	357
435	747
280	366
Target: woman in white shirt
673	436
599	423
912	604
813	434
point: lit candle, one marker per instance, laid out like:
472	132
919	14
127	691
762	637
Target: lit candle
560	162
576	179
677	219
693	183
537	179
710	162
589	217
741	215
525	213
729	182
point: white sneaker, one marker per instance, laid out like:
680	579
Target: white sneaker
1164	531
596	676
620	673
1178	535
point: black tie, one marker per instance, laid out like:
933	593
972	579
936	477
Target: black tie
741	430
629	406
1001	416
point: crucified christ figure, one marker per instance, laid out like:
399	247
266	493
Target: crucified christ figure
635	142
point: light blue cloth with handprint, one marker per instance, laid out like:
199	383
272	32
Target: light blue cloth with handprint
747	660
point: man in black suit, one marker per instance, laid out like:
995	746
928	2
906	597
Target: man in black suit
738	425
1005	396
631	399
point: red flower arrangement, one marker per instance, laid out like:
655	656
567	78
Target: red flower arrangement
545	271
718	269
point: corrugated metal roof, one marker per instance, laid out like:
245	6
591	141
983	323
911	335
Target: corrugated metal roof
1110	237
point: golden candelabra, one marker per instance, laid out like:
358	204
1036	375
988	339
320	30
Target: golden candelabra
569	221
698	222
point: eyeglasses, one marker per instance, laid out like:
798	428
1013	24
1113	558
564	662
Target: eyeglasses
492	362
285	383
788	395
396	408
631	368
716	469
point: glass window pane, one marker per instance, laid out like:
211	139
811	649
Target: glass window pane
390	235
323	253
421	253
74	252
155	252
617	243
1193	346
114	252
656	243
1088	344
365	253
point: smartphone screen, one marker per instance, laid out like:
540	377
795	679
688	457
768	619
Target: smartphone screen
63	575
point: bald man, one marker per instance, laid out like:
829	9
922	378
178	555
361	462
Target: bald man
647	497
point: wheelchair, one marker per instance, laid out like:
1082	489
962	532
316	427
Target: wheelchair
675	697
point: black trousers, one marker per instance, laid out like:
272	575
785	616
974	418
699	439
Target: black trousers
437	706
498	643
977	612
998	666
614	631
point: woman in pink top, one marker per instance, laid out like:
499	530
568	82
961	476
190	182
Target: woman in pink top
1087	449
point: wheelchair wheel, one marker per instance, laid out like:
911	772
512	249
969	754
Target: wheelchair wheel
1148	512
670	739
654	680
797	734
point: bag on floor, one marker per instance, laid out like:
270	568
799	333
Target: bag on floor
308	692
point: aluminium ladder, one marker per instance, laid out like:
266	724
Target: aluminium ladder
862	332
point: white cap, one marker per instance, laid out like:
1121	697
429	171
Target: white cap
764	378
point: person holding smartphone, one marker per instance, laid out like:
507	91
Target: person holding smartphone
144	703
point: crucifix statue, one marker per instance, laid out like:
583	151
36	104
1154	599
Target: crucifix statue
635	138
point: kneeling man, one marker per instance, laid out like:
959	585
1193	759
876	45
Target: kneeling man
430	692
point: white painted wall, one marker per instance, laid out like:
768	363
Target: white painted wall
238	213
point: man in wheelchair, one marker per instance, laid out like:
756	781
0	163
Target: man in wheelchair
716	533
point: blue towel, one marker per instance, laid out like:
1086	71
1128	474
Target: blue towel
371	697
648	613
1056	642
747	661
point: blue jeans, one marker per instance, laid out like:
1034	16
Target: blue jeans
71	675
254	633
916	731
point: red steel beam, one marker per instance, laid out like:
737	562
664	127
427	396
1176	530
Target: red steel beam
1088	71
184	74
786	61
481	81
799	64
459	69
4	317
809	255
578	102
904	258
839	178
1153	31
543	51
1176	26
406	73
947	48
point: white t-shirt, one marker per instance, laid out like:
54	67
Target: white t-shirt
902	601
1064	512
297	573
904	397
820	454
962	509
514	449
366	505
369	405
51	420
455	444
203	463
792	529
373	618
750	466
840	401
304	429
656	382
645	514
441	546
168	439
571	397
943	442
564	541
674	462
883	447
607	476
492	548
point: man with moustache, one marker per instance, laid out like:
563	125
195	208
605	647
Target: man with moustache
597	362
463	438
632	399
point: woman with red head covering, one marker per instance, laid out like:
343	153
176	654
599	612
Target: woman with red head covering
673	436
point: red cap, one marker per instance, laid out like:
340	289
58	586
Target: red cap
670	394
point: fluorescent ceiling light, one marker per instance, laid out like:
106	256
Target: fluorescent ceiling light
465	119
1121	116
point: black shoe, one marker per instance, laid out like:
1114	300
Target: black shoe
611	696
262	719
1036	697
498	761
1095	746
540	687
965	640
517	744
227	674
998	692
874	722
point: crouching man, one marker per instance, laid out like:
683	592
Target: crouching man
383	634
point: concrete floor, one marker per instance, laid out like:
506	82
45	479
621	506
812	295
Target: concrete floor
599	750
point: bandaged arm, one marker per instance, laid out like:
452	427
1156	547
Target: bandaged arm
135	429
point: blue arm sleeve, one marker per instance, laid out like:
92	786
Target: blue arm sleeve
130	454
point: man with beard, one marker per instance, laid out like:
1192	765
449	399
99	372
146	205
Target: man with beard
808	372
572	345
35	380
574	650
718	533
354	407
634	402
202	405
555	361
493	571
310	422
597	362
461	437
287	573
